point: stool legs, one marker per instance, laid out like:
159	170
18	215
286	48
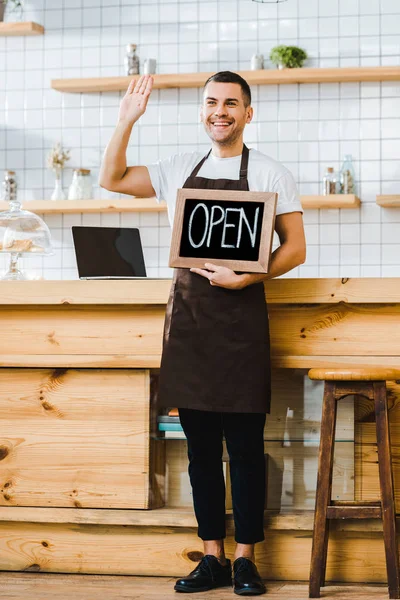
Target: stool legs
324	491
386	488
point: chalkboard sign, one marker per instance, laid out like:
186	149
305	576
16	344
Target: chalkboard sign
228	228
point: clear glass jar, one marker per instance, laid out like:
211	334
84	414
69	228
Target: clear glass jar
81	186
10	186
347	176
329	182
131	60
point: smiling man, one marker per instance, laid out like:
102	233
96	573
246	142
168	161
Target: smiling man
216	360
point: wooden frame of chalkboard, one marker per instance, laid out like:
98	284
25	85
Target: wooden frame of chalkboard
242	243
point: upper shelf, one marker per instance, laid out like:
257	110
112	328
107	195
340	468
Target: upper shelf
261	77
18	28
151	204
389	200
91	206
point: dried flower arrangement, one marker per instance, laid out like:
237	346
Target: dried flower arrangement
57	157
56	160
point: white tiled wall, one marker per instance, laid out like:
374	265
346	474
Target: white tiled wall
308	127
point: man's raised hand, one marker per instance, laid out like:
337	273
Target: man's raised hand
133	104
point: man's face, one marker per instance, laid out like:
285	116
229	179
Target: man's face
223	112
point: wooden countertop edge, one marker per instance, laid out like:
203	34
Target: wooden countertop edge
156	291
126	361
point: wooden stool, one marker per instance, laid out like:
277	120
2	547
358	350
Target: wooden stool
371	383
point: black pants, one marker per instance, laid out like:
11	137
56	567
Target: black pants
244	435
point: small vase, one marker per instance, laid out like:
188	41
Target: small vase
13	13
58	193
281	66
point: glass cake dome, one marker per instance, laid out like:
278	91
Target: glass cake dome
21	232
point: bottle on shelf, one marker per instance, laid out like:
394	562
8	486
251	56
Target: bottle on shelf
329	182
131	60
10	186
347	176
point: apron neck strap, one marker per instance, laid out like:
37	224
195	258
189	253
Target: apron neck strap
201	163
243	165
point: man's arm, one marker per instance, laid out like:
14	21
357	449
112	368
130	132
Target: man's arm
115	175
290	254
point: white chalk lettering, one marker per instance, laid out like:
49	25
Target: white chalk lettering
193	244
213	223
226	225
252	233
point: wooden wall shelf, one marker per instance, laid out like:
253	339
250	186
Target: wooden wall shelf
17	28
261	77
331	201
151	204
92	206
388	200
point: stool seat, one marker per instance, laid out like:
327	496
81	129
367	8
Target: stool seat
355	374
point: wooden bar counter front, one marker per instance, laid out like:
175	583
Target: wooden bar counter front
87	485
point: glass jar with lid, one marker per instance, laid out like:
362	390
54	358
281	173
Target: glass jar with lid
329	182
81	186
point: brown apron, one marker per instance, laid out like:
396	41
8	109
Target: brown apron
216	341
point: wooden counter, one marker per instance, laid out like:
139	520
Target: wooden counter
79	463
313	322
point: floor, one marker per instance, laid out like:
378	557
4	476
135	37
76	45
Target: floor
41	586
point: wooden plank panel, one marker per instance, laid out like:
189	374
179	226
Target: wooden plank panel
337	362
340	330
168	552
289	520
18	586
364	290
144	361
343	329
75	438
92	332
73	292
102	361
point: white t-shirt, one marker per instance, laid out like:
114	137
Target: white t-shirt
264	175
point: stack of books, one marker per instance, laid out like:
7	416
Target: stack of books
170	425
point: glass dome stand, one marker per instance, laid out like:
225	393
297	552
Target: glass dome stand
22	232
13	273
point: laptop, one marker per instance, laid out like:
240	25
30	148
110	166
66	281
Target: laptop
109	253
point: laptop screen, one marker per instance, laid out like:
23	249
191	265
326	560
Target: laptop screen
108	251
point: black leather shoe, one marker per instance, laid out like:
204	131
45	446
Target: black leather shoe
246	578
208	574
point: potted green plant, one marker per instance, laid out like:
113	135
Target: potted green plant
288	57
14	6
